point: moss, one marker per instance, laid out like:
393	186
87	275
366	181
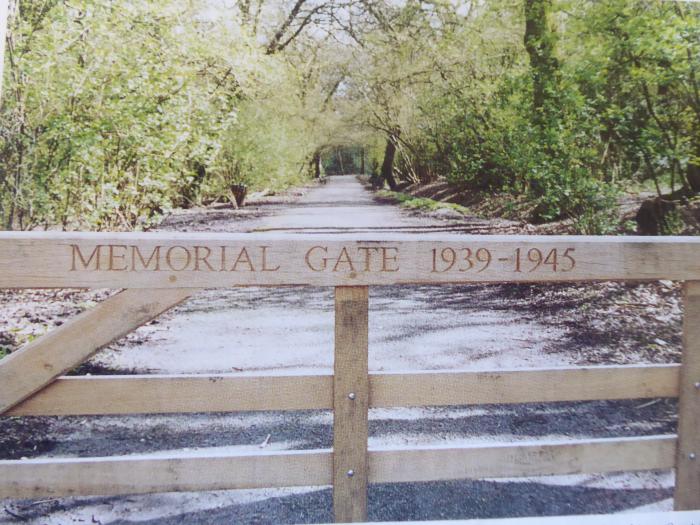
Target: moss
420	203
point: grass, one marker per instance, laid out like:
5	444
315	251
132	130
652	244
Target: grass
421	203
648	186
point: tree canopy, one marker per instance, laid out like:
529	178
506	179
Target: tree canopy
116	111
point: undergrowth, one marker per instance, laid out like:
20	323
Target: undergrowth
421	203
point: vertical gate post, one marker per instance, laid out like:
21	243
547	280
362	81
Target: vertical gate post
350	404
687	493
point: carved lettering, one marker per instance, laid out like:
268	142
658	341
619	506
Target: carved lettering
171	263
462	260
243	258
368	250
312	253
117	258
535	259
265	267
347	259
222	266
96	252
122	257
350	259
198	257
145	264
344	258
390	260
476	259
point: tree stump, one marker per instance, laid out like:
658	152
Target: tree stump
239	191
653	214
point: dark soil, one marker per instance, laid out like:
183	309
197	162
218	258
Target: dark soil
147	433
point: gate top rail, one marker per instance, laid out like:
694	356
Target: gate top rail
214	260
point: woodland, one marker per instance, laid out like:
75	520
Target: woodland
115	112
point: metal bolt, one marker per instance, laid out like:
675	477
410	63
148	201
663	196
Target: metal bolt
691	455
351	396
351	473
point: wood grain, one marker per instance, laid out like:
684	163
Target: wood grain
52	477
153	394
29	369
167	260
166	394
523	386
37	478
528	459
350	403
687	493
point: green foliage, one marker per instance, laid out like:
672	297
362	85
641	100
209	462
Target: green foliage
116	112
566	103
672	223
345	160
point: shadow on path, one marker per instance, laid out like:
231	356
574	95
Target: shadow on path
417	501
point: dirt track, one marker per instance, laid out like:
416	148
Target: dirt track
418	327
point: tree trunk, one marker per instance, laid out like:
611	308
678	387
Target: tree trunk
692	173
653	216
316	165
388	164
189	193
3	31
693	176
539	42
339	152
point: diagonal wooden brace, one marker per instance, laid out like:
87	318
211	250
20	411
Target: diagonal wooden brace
38	363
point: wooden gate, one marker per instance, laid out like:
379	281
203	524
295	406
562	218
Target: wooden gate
158	271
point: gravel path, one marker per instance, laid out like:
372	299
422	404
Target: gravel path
411	328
